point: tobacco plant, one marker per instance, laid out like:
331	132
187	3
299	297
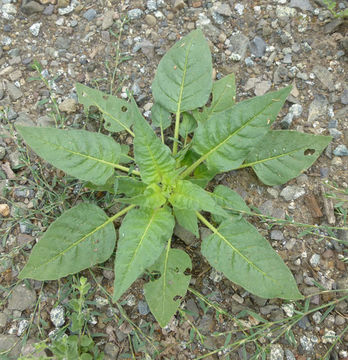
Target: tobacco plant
159	186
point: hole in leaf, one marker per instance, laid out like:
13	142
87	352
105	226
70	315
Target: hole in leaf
154	275
177	270
176	298
309	152
124	109
108	124
105	97
188	271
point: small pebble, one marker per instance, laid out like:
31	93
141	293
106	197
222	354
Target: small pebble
143	308
57	316
4	210
135	14
35	29
341	150
90	14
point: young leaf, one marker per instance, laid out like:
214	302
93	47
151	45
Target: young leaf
160	116
182	82
245	257
160	293
151	198
117	113
230	200
142	237
225	140
283	155
188	124
72	244
224	95
85	155
188	196
154	159
187	219
130	186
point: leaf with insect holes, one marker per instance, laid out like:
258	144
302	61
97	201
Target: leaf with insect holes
161	294
142	238
155	161
82	154
224	95
182	82
117	113
225	140
283	154
246	258
71	244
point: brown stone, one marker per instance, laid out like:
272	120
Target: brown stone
197	4
4	210
178	5
150	20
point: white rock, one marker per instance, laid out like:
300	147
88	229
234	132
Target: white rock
35	29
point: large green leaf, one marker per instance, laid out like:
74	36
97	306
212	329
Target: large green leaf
117	113
160	293
130	186
160	116
224	95
187	219
80	238
225	140
189	196
283	155
142	238
154	159
183	80
246	258
85	155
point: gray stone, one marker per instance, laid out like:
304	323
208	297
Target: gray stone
135	14
344	97
317	317
266	310
277	352
341	150
69	9
23	324
8	342
31	7
287	121
57	315
329	337
143	308
336	134
262	87
151	5
317	108
333	25
22	298
62	43
304	5
342	283
7	11
239	44
24	119
268	209
35	29
108	20
207	27
258	46
315	260
289	355
148	48
46	121
90	14
111	350
218	19
14	158
25	228
2	152
287	59
206	324
14	92
11	114
325	77
306	343
130	300
3	319
292	192
277	235
192	308
186	236
280	74
296	110
223	9
49	10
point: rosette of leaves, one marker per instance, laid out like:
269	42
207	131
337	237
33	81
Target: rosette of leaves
168	185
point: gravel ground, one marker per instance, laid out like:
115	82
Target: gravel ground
268	44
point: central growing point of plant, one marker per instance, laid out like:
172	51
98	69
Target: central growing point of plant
168	186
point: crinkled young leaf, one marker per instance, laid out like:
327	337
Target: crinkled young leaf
282	155
82	154
154	159
188	124
117	113
189	196
142	238
187	219
246	258
224	95
225	140
160	293
160	116
151	198
80	238
183	80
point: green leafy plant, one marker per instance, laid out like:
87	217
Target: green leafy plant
331	6
162	186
